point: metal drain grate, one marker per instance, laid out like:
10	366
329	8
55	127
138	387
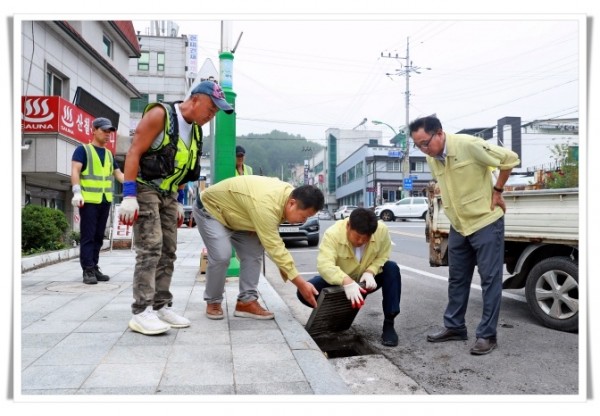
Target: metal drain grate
334	313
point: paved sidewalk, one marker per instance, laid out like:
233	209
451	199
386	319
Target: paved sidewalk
74	338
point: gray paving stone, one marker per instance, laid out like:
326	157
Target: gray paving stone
257	336
46	377
118	391
203	337
227	389
301	387
42	340
284	371
138	354
30	355
245	353
125	375
201	354
197	374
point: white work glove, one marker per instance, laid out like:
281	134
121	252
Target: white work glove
128	212
353	294
180	214
369	280
77	200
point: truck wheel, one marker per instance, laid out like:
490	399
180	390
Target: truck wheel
552	293
387	216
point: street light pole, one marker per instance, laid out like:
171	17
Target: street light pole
376	122
407	68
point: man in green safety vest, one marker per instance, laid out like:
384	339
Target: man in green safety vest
240	167
92	170
164	155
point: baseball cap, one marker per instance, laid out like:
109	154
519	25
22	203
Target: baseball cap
239	150
214	91
103	123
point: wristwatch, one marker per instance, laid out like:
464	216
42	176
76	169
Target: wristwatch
499	190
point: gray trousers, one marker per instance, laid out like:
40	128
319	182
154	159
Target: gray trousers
484	248
219	241
155	237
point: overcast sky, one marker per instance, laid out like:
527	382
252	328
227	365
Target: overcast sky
304	76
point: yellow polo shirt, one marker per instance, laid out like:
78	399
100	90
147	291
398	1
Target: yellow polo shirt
465	180
336	257
254	203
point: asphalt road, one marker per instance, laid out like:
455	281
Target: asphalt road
530	359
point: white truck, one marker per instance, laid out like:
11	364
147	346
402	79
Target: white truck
541	249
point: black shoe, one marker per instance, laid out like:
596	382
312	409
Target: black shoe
484	346
100	276
389	337
448	335
89	277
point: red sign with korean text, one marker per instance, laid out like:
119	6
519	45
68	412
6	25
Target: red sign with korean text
53	114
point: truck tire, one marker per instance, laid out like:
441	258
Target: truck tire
387	215
552	292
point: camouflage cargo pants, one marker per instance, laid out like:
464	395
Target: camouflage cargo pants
155	237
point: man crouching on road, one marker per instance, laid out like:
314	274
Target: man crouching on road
357	249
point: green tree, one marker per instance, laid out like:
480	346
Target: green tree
42	229
268	153
567	172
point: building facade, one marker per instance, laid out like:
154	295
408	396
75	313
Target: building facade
71	72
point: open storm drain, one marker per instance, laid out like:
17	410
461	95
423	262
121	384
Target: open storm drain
342	345
333	315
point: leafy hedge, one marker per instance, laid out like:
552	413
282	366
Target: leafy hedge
42	229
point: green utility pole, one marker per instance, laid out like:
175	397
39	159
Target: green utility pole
224	146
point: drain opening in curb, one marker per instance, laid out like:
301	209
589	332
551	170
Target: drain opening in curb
342	345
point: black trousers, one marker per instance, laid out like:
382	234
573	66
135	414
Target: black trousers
92	226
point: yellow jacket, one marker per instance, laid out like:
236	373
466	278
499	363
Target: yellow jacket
254	203
336	255
465	180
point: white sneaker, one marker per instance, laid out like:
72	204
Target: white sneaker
147	323
167	315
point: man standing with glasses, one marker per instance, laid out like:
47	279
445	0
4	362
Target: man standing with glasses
462	165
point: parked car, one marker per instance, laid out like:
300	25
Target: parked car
187	216
307	231
343	212
324	215
412	207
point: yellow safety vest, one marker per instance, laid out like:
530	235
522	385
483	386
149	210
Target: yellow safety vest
96	179
247	170
185	159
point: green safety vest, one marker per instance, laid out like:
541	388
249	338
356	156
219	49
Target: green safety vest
96	179
247	170
185	159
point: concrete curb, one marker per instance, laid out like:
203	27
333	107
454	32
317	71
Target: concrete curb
319	372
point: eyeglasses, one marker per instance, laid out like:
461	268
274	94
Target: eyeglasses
424	144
